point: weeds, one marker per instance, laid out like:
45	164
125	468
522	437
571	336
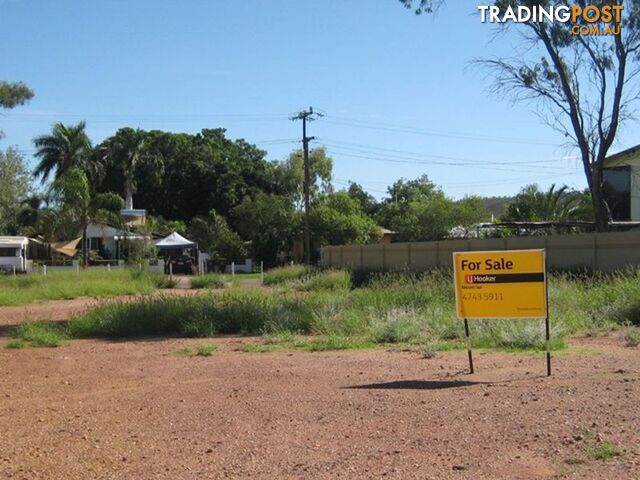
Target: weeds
210	280
16	344
280	275
631	336
25	289
428	350
38	334
401	308
183	351
604	451
205	350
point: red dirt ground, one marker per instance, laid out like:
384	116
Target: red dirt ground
136	410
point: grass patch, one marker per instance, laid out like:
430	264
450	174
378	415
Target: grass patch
210	280
26	289
399	308
205	350
38	334
16	344
183	352
277	276
604	451
165	282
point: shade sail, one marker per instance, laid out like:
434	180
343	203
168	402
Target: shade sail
175	240
69	248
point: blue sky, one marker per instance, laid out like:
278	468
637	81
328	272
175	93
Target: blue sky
398	91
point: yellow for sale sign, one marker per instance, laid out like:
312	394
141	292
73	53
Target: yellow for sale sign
500	284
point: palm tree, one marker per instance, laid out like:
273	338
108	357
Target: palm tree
127	149
556	204
67	146
73	193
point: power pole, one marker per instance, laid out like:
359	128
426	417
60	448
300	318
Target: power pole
306	115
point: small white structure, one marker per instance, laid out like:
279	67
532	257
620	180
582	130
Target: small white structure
175	241
13	254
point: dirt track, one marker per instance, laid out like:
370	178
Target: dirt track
135	410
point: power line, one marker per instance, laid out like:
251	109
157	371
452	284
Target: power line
377	158
405	154
434	133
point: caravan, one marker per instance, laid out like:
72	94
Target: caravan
13	255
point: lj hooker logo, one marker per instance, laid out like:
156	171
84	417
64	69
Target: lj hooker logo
588	20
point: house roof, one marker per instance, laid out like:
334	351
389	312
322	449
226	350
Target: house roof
622	154
13	242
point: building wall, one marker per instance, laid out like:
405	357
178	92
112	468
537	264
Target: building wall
598	251
633	161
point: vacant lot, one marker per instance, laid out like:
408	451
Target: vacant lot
137	409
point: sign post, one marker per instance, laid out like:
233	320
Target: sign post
501	284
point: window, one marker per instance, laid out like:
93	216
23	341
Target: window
95	243
9	252
617	192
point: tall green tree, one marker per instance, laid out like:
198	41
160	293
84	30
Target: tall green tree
179	176
214	236
338	219
368	203
66	147
74	194
291	175
15	187
13	94
270	222
418	210
584	86
126	151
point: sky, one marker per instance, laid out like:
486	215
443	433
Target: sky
399	94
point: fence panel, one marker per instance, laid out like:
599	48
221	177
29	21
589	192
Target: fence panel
600	251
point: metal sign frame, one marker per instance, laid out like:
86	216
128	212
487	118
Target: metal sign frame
546	304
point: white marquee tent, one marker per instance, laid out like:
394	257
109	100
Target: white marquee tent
175	240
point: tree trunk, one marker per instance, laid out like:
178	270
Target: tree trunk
128	193
601	212
84	246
